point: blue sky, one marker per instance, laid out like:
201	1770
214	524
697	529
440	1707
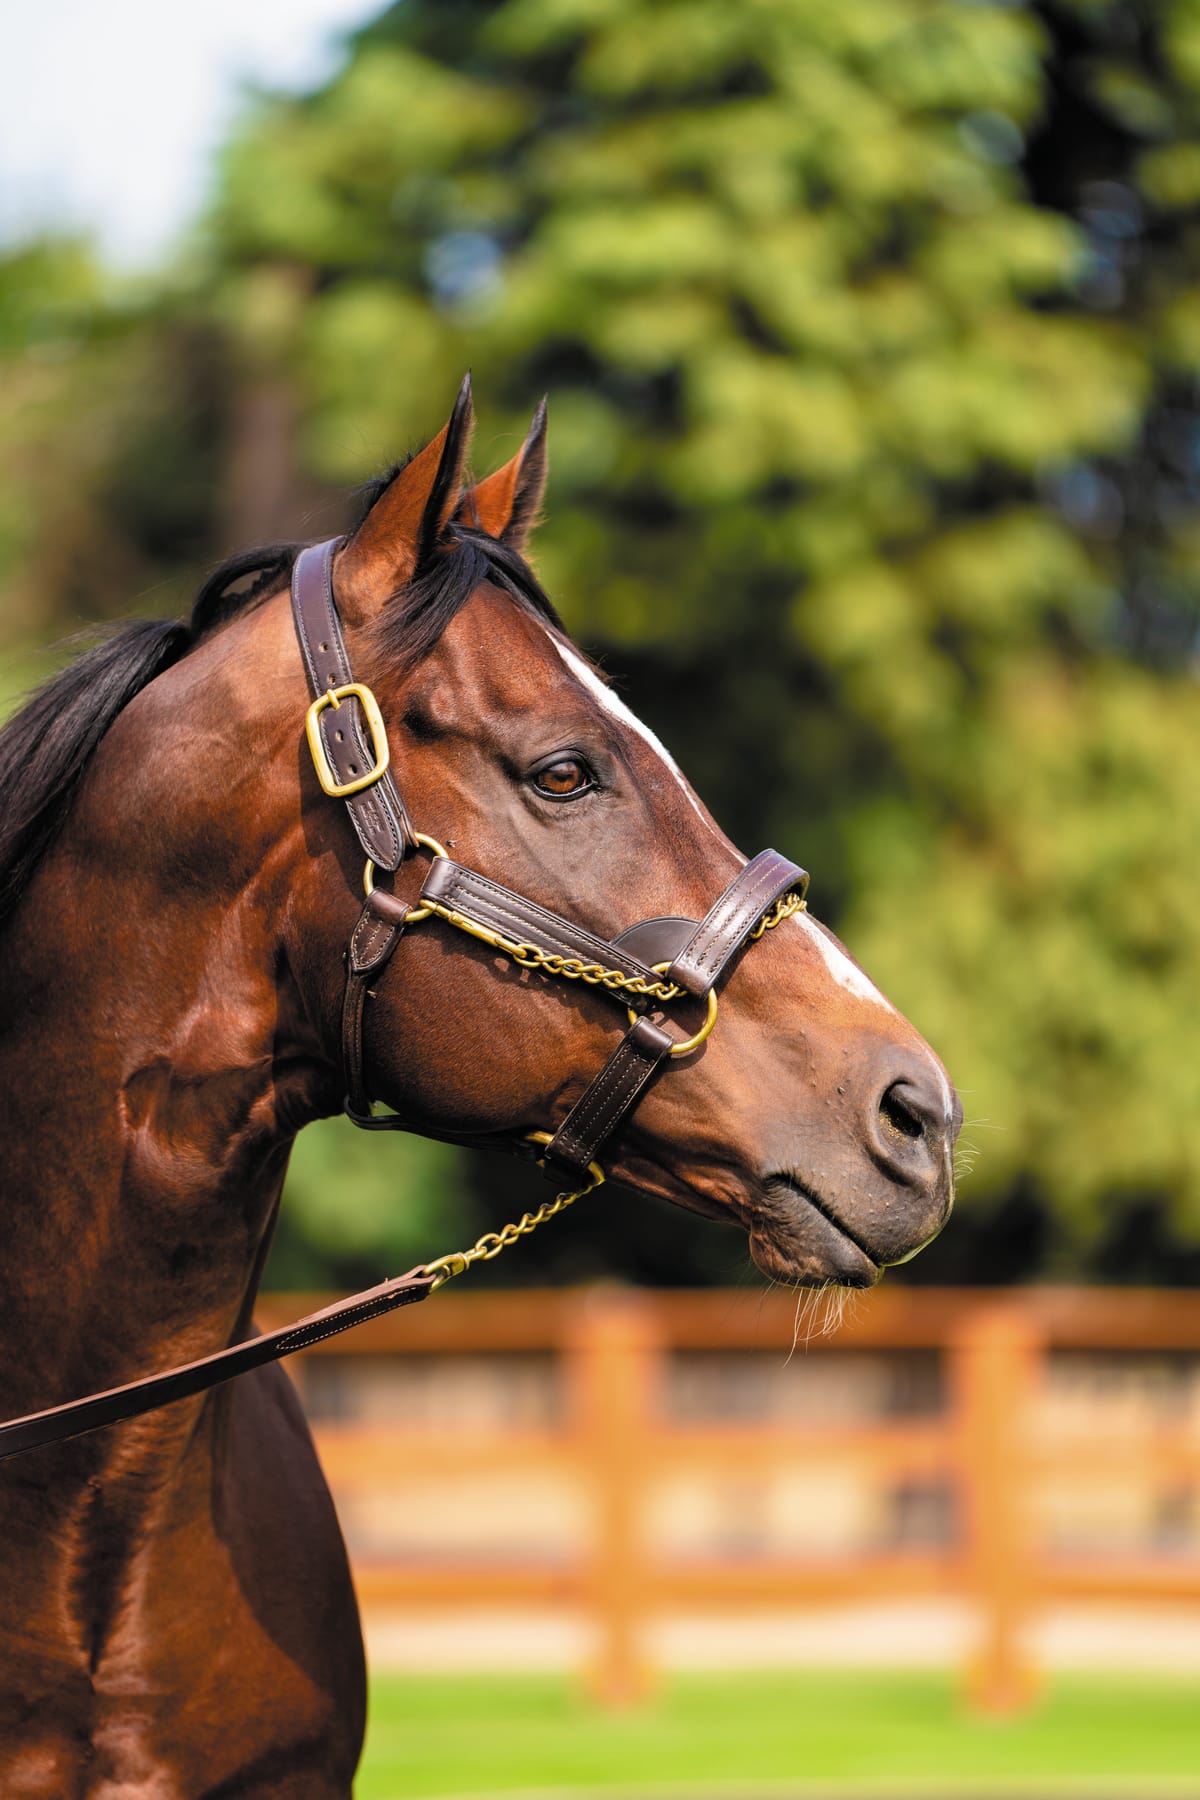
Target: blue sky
112	108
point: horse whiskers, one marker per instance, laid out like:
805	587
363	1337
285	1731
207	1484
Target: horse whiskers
820	1311
966	1154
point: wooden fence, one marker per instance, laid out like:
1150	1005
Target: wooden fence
615	1439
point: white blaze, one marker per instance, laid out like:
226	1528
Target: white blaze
616	708
846	973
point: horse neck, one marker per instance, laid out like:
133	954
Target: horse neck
155	1061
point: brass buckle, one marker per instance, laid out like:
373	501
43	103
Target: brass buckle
380	750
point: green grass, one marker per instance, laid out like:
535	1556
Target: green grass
802	1733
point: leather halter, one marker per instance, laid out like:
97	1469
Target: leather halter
656	958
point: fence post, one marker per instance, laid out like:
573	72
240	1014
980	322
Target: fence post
614	1369
995	1358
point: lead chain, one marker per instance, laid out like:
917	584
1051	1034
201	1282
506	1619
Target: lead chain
573	968
485	1248
595	974
784	907
493	1242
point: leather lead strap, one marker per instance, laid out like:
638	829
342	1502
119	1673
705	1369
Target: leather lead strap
109	1408
377	813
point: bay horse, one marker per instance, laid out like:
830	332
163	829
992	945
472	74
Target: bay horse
177	889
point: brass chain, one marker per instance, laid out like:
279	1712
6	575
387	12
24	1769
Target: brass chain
573	968
595	974
493	1242
784	907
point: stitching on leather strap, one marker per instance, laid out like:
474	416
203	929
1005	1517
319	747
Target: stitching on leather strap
738	902
370	941
353	1063
628	1063
608	1099
377	814
724	928
301	1337
497	909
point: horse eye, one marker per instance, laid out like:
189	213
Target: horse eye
563	779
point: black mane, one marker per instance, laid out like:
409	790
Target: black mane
46	747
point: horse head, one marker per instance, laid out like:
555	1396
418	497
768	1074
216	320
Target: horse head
813	1114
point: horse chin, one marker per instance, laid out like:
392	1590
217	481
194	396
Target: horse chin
794	1238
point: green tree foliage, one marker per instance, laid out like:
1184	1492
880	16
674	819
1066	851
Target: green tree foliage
870	331
111	446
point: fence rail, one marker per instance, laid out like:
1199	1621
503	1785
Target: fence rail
616	1440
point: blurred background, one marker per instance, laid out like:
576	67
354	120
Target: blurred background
871	332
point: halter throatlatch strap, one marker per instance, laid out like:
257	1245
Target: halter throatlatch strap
344	727
109	1408
372	944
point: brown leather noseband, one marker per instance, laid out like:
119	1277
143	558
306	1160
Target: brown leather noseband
658	960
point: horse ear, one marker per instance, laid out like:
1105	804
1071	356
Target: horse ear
406	524
506	505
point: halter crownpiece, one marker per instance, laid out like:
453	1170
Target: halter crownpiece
658	960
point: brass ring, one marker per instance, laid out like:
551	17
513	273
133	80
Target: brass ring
686	1045
693	1043
547	1137
430	843
417	913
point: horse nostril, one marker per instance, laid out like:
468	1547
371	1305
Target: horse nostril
901	1117
909	1132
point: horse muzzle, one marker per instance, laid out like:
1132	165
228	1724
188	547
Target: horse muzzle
875	1199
